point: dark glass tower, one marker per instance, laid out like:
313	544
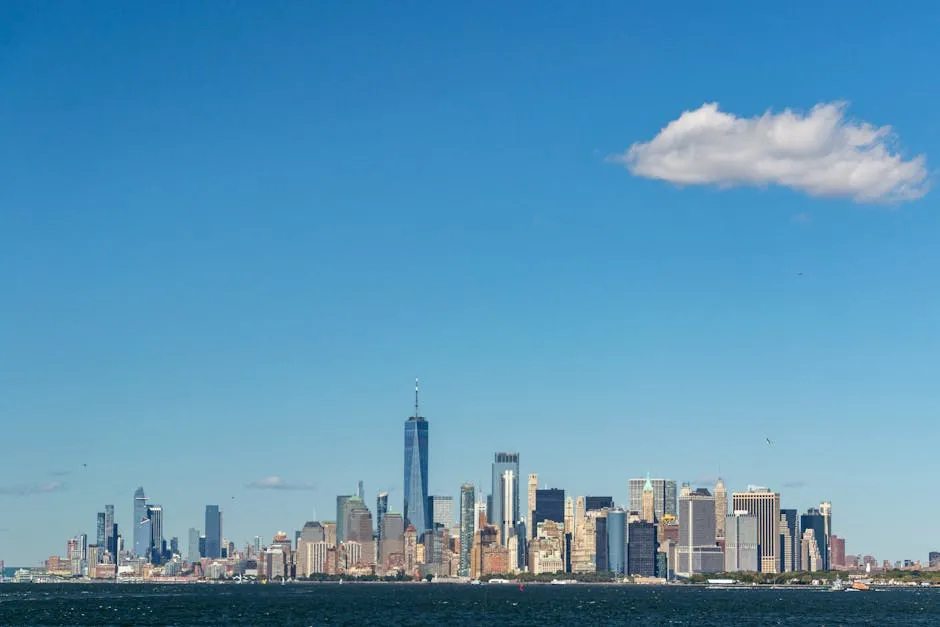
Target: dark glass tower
213	532
549	505
416	471
814	520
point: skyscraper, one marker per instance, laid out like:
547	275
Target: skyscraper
142	530
340	516
392	537
509	498
495	514
664	496
213	532
155	515
416	471
641	549
825	508
192	553
549	505
648	512
815	520
110	535
530	502
442	511
790	535
721	508
765	506
741	550
381	507
697	551
467	524
617	541
101	540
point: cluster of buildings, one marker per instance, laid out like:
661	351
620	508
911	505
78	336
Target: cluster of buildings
663	531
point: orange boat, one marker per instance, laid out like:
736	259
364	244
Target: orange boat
858	585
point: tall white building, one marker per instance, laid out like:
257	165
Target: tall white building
741	552
507	490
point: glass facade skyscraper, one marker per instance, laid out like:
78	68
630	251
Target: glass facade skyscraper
467	513
617	541
813	519
213	532
549	505
110	536
416	472
142	528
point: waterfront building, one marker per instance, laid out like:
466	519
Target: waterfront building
721	508
642	549
763	504
697	551
790	553
617	541
815	520
416	471
836	553
741	547
812	556
392	539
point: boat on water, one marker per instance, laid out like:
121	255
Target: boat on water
858	586
837	586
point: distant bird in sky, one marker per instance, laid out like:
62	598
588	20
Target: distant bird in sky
768	441
799	274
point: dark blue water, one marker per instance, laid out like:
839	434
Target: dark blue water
442	604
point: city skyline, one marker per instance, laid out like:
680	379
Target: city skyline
231	238
143	536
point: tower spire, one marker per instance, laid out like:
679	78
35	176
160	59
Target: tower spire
417	415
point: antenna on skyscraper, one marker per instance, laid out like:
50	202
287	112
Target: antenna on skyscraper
416	398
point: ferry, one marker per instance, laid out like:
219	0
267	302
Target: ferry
562	582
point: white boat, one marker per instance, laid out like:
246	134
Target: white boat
837	586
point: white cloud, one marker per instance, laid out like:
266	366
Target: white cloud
29	490
275	482
821	153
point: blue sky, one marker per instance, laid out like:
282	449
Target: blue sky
232	234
